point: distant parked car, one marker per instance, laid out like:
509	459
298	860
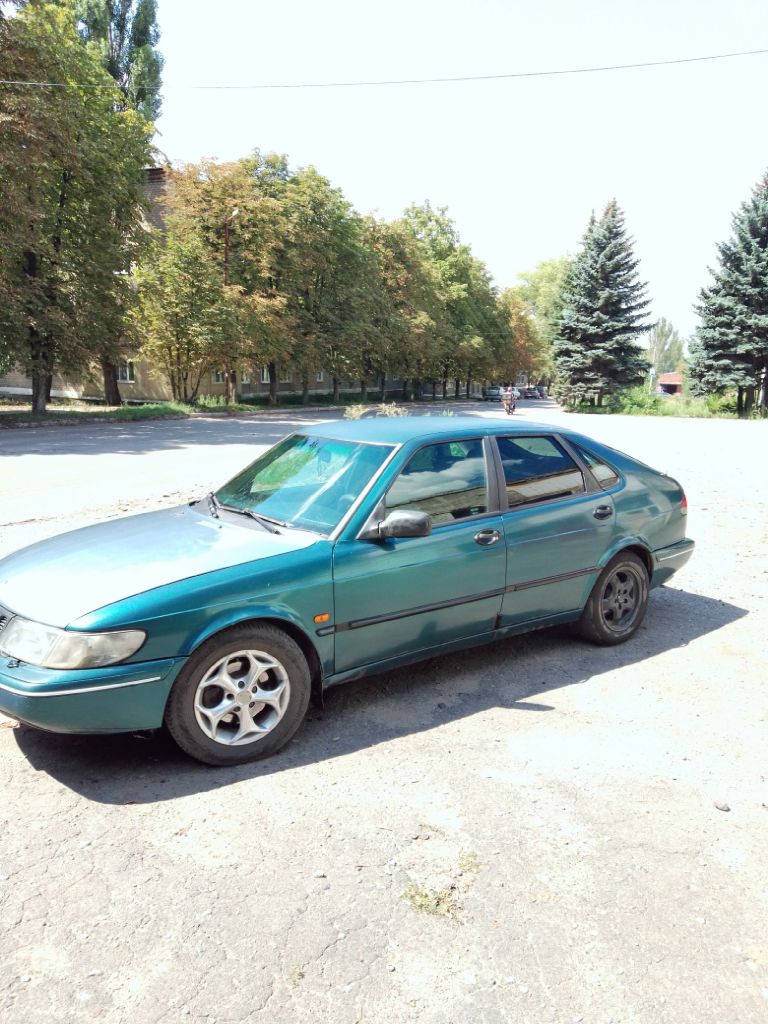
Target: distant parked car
541	390
493	393
530	393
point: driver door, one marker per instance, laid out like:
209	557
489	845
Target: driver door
401	596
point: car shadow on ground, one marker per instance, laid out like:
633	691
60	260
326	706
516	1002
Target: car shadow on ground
147	767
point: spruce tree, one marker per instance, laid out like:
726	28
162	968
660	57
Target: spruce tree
604	305
731	347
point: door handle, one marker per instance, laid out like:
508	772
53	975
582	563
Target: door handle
603	512
487	537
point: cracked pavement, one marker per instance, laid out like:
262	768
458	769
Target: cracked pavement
564	796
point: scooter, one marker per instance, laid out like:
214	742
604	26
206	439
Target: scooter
509	406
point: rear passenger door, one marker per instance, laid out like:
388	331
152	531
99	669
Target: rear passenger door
557	526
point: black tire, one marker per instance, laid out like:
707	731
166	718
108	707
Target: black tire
618	602
256	660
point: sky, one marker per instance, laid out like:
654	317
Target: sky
519	163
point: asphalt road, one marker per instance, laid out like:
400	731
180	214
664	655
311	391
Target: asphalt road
526	833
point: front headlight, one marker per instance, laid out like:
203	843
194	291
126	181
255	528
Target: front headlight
49	647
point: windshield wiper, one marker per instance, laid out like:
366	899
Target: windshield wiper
213	505
269	524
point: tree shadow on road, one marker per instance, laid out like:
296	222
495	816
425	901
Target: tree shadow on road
512	674
144	436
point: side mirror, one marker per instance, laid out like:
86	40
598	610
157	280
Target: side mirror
400	523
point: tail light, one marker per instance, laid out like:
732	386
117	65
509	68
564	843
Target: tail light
684	506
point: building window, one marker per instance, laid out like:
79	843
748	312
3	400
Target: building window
125	372
245	378
265	375
217	377
286	376
319	377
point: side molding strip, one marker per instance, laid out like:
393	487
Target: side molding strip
376	620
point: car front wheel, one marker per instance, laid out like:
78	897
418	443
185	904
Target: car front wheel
240	697
617	604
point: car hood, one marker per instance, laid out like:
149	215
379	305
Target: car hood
57	581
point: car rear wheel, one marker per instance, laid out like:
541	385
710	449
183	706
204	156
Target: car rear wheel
617	604
240	697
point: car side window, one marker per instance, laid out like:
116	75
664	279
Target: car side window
448	481
537	469
605	475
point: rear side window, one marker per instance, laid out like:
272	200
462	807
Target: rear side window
538	469
605	475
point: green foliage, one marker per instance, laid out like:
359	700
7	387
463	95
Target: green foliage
471	333
185	316
122	35
731	346
436	902
722	405
665	348
70	220
639	401
529	352
298	277
542	296
98	414
603	309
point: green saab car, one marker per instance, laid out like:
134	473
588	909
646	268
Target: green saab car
344	550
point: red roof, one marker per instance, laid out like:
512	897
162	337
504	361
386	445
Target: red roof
670	378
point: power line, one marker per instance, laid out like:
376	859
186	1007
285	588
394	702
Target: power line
421	81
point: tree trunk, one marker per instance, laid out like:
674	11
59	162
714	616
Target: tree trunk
230	386
456	387
740	401
406	382
39	393
469	385
272	367
363	390
305	390
445	388
383	385
335	391
111	390
749	400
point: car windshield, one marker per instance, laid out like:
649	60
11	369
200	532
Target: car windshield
306	482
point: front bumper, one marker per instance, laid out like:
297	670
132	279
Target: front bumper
668	560
120	698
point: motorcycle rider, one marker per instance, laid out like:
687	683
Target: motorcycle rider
509	400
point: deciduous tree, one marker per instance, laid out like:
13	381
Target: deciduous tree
665	348
70	174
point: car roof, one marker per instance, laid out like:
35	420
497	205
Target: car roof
402	429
